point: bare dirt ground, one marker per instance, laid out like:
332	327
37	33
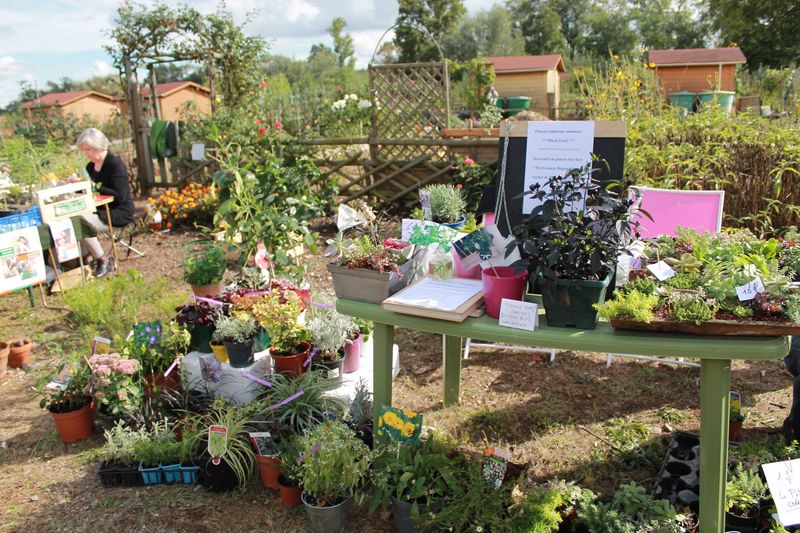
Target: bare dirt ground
569	420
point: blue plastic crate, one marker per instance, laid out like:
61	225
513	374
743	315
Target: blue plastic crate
31	217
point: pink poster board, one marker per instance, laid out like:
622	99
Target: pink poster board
699	210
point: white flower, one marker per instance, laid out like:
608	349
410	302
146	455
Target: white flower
339	104
352	97
364	104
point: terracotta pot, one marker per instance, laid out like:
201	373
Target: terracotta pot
734	427
4	350
19	356
155	226
291	365
214	289
290	492
153	380
269	468
219	351
75	425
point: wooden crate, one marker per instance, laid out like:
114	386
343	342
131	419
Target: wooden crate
65	201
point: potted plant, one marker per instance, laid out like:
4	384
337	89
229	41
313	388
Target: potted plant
335	463
114	384
291	470
570	243
297	417
331	331
237	333
744	492
447	204
118	465
198	318
157	347
359	412
203	268
279	314
67	400
237	464
416	479
151	453
19	355
368	271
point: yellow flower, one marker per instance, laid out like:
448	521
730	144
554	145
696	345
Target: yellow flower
652	65
588	105
615	57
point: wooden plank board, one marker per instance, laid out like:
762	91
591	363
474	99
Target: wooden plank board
712	327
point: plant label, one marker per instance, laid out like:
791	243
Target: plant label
735	403
101	345
217	443
748	291
519	315
661	271
408	224
425	200
783	479
198	151
263	443
400	425
495	464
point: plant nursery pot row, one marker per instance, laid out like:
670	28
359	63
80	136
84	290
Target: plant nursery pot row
119	476
169	474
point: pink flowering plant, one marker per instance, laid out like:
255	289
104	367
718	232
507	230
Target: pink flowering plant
473	178
114	383
67	389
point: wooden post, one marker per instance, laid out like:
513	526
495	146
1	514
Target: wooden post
156	104
139	130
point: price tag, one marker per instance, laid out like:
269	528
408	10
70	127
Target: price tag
661	271
518	315
748	291
783	479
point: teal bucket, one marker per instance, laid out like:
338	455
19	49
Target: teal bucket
514	103
723	98
683	99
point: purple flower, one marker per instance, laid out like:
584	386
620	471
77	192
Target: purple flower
152	340
147	329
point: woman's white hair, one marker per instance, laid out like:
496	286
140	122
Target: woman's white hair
94	138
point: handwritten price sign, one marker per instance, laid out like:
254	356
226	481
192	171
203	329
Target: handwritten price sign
783	479
748	291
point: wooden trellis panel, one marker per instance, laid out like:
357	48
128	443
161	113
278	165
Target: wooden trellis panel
410	101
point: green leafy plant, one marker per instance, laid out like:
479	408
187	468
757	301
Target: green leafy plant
330	330
629	304
692	308
239	455
290	453
120	446
204	264
279	315
743	492
335	464
71	397
363	252
447	202
235	329
631	510
305	411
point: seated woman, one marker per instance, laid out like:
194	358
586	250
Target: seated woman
111	175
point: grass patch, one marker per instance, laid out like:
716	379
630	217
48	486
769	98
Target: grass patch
670	415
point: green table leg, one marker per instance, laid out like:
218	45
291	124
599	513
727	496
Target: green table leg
715	382
452	370
383	339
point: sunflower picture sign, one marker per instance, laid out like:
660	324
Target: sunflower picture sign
400	425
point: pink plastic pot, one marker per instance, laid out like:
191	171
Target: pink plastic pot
462	271
499	283
352	355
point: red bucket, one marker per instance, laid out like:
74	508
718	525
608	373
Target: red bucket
499	283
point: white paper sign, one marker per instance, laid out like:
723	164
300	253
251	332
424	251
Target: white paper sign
748	291
198	151
499	245
409	224
553	148
64	236
783	479
661	270
518	315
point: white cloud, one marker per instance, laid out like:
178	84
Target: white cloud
7	64
103	68
299	9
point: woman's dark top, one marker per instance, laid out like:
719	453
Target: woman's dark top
113	180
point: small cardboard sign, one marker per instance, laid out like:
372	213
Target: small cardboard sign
263	444
518	315
198	151
101	345
783	479
748	291
474	248
661	270
217	443
400	425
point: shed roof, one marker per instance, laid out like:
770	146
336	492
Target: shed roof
165	89
60	99
690	56
527	63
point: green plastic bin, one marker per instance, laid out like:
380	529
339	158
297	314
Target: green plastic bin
513	104
683	99
724	98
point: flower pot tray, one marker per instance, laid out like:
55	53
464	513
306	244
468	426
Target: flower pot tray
679	478
712	327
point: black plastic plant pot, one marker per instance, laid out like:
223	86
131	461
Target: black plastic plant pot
570	303
118	476
240	354
743	524
331	366
217	478
201	336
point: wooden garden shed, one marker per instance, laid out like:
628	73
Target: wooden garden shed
98	106
697	69
534	76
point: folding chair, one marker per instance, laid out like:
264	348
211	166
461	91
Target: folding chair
699	210
127	232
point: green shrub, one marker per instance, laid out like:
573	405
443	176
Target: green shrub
692	309
204	266
629	304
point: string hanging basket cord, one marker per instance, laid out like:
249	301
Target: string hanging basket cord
501	205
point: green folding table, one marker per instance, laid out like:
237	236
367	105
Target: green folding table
715	354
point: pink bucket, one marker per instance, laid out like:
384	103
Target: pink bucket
461	270
499	283
352	355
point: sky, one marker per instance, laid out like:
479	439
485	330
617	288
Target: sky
47	40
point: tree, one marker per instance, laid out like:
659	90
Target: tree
387	53
666	24
169	72
764	29
342	43
551	26
438	17
488	33
610	29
